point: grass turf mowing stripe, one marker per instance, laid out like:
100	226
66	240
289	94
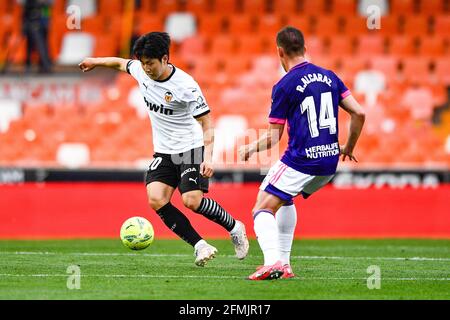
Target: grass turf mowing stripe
227	256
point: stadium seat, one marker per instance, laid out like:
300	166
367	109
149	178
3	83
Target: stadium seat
355	26
340	45
386	64
252	44
285	7
431	46
325	25
401	46
315	46
442	25
442	65
269	24
110	7
75	47
370	45
344	7
416	26
88	8
416	69
223	44
225	6
402	6
316	7
198	7
431	7
241	24
147	23
180	25
193	48
389	25
163	8
258	7
302	22
211	25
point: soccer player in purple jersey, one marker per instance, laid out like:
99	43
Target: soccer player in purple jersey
307	98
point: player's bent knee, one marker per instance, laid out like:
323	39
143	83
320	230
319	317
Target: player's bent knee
157	203
192	201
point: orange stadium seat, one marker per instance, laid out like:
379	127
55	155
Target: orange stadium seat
147	23
110	7
340	45
252	44
285	7
355	26
211	25
442	69
416	69
401	45
255	6
432	46
325	25
431	7
192	48
386	64
165	7
316	7
241	24
389	25
402	6
370	45
94	24
269	24
344	7
416	26
442	25
315	46
223	44
225	6
302	22
106	46
198	7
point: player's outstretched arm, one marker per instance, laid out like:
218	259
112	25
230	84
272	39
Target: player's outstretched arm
357	118
110	62
270	138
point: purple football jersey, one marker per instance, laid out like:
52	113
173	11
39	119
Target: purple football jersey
308	98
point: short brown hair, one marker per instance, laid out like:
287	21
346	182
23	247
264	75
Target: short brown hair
291	40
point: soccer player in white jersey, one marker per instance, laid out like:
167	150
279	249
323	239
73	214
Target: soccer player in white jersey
307	98
183	142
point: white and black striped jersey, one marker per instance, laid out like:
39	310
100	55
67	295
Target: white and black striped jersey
172	105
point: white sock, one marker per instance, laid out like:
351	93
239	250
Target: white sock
236	228
266	231
199	243
286	218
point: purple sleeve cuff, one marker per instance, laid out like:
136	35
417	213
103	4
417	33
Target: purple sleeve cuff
277	120
345	94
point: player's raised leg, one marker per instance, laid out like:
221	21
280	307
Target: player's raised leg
159	195
213	211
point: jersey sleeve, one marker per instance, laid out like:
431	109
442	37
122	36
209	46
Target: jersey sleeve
344	92
134	68
280	106
196	101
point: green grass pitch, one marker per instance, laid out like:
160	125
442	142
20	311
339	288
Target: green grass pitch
325	269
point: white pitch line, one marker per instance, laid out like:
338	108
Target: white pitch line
209	277
228	256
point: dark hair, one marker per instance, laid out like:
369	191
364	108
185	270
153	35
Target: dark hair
291	40
153	45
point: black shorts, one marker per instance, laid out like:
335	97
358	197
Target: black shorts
178	170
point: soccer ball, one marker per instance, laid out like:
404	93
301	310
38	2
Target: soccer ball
137	233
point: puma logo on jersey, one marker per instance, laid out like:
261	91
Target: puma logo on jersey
160	108
195	180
